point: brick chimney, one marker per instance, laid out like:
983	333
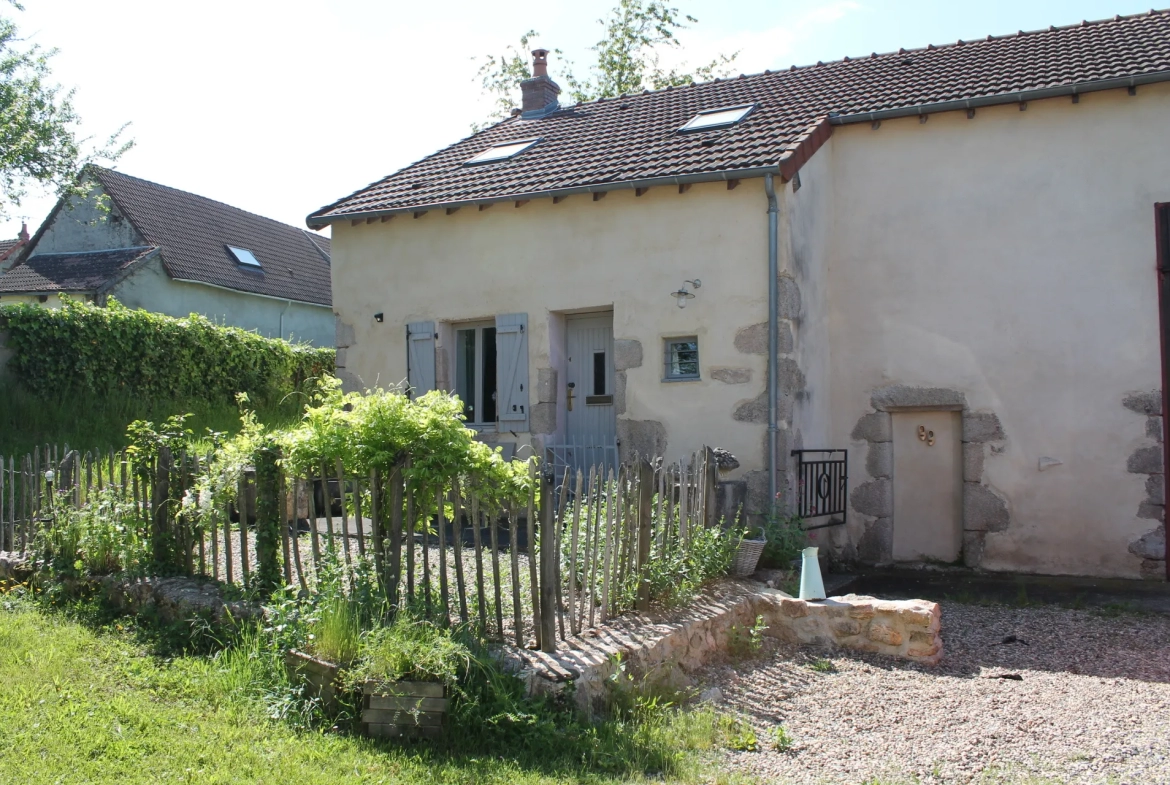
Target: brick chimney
539	93
23	236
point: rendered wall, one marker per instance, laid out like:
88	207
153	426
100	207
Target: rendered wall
89	224
1004	265
622	252
152	289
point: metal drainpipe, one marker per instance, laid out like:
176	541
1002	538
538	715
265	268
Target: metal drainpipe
773	329
287	305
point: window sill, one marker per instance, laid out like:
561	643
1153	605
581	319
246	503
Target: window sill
481	427
670	380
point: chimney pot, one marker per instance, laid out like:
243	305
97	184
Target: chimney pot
540	62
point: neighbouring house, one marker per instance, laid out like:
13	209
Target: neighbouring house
172	252
943	261
9	248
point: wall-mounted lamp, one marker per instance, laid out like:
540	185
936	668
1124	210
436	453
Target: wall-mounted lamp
684	294
378	317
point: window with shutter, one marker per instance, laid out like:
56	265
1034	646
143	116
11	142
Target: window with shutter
420	357
512	371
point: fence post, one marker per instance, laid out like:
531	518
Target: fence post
396	493
268	515
645	513
548	562
710	511
160	534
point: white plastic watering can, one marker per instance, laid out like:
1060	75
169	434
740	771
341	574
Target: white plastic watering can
811	585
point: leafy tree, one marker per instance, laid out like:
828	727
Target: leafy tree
628	59
39	128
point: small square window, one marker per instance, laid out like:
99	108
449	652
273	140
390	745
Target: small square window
244	256
682	359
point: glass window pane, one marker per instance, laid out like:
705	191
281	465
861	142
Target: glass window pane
501	151
244	256
489	375
599	373
465	371
717	118
682	359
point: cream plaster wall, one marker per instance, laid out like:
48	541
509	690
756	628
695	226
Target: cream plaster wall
622	252
53	301
1011	257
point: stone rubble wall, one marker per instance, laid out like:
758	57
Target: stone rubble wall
669	650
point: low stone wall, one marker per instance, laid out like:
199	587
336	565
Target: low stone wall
178	599
14	567
907	629
668	648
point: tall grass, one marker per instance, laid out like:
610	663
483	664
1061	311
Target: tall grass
98	423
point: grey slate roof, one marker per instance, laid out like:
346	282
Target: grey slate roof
70	272
194	232
633	138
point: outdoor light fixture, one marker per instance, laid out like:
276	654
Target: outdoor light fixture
684	294
49	475
378	317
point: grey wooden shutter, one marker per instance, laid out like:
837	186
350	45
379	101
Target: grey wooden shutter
420	357
512	371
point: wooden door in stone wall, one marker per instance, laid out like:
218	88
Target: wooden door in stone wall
928	486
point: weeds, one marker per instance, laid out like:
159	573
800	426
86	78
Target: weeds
743	643
821	665
781	739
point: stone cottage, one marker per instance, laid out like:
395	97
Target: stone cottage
941	263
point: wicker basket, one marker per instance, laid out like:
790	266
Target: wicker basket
747	556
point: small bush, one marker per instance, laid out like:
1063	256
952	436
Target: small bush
786	539
781	739
103	536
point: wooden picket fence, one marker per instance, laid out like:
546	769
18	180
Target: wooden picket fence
567	560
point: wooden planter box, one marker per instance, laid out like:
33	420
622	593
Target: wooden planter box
412	709
320	677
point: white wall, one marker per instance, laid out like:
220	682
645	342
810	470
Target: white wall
1011	257
623	251
152	289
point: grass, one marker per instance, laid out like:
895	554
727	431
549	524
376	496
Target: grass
98	424
86	705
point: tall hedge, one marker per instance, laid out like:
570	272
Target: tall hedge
108	350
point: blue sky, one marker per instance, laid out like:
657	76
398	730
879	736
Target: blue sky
279	107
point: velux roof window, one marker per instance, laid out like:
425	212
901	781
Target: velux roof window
717	118
244	256
503	151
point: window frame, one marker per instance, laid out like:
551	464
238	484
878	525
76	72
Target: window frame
668	354
477	406
236	250
690	127
479	158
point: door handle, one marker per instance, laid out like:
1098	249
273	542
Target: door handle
569	396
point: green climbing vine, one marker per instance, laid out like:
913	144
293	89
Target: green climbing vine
109	350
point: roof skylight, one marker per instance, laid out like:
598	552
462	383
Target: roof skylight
244	256
718	118
502	151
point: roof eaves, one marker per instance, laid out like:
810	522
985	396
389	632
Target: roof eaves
321	221
1056	91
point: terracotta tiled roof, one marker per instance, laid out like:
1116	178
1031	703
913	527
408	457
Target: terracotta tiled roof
194	232
8	245
69	272
634	138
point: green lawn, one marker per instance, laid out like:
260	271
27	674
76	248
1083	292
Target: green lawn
83	706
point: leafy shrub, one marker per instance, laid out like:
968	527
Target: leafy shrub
677	577
786	538
105	535
781	739
114	350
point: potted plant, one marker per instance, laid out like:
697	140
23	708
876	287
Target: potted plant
332	646
406	675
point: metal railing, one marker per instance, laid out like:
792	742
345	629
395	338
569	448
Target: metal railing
822	486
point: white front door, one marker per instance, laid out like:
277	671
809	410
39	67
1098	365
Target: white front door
591	426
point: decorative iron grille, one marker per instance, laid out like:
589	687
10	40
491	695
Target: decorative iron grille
822	486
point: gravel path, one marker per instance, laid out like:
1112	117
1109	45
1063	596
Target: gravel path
1092	704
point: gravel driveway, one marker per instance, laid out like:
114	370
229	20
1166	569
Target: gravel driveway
1091	704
